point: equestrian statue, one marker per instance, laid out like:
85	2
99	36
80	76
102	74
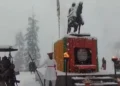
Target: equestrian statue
75	18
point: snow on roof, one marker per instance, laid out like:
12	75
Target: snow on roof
88	37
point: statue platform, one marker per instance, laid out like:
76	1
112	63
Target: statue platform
76	79
79	35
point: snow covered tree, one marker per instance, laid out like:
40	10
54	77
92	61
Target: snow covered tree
31	39
19	56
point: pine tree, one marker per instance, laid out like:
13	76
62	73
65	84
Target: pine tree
32	41
19	56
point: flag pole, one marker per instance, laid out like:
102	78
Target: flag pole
58	14
59	27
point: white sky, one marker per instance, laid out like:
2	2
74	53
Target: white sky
102	20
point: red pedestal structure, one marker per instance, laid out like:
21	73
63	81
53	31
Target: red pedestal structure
87	84
69	44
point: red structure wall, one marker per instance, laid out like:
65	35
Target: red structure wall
82	43
68	44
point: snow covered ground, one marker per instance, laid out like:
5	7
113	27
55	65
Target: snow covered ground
101	72
27	79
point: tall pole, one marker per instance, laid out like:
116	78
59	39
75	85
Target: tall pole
66	71
114	59
114	69
58	14
66	61
59	26
66	58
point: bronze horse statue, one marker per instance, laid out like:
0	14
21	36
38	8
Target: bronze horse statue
78	21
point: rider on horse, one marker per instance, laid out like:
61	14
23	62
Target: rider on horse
72	14
74	18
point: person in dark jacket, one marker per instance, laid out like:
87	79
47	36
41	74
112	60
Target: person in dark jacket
103	63
9	74
32	67
6	62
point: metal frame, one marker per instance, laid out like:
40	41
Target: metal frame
7	49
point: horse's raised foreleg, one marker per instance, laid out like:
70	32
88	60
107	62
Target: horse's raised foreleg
75	28
69	29
79	29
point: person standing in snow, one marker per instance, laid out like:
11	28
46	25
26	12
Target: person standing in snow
103	64
50	73
32	67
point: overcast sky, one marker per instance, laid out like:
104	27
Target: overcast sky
102	20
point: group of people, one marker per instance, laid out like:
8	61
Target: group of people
7	74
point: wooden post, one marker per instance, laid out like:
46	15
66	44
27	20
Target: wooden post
114	59
115	69
87	84
118	81
66	58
